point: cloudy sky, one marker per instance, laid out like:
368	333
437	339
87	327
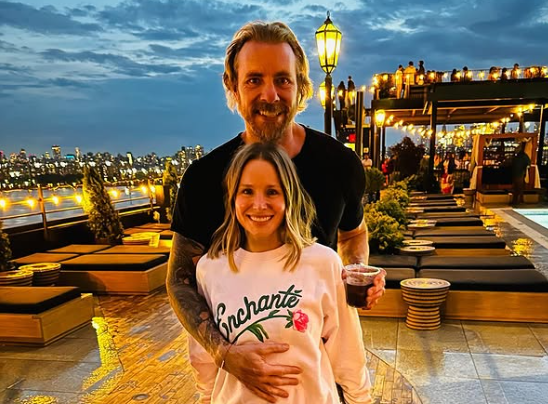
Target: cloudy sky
144	75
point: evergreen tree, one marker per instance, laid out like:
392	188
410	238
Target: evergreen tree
170	181
5	250
104	221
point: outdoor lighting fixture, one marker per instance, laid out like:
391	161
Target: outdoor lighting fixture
114	193
31	202
322	93
78	199
328	43
380	115
55	199
144	189
3	203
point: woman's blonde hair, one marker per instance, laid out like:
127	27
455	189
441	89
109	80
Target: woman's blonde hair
300	212
272	33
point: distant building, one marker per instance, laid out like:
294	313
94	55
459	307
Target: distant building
56	151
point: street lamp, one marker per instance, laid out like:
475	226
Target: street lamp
328	42
380	117
323	94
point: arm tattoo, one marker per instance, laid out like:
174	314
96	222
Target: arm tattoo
190	307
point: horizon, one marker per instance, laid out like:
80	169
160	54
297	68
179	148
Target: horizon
145	76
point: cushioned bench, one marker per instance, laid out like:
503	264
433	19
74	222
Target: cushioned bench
420	204
41	315
510	273
37	258
115	273
432	196
133	230
449	231
493	196
135	249
80	249
459	221
444	215
431	209
398	267
166	235
467	252
467	242
155	226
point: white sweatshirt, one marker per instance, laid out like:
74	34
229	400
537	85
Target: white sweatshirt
305	308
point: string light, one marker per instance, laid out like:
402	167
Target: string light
31	202
3	203
55	199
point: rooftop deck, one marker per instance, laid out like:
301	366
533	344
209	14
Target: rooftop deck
136	352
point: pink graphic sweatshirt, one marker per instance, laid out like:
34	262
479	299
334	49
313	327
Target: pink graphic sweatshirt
305	308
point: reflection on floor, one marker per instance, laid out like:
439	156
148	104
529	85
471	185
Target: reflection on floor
136	352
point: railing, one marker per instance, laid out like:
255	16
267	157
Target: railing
44	201
384	84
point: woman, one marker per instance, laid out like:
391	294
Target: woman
265	277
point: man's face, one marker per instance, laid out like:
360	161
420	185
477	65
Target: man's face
267	89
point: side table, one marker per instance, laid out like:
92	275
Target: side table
424	296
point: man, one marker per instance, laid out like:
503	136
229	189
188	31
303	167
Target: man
366	161
520	165
399	81
266	80
409	77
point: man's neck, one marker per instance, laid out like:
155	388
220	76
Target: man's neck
292	141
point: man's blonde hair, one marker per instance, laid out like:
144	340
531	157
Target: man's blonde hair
272	33
300	213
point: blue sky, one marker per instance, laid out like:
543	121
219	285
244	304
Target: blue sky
145	75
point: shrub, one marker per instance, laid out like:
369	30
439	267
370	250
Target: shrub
385	234
393	209
408	157
5	250
103	219
398	194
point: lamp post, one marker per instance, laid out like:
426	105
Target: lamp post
380	116
328	42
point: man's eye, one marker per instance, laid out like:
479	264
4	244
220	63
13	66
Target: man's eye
253	81
284	81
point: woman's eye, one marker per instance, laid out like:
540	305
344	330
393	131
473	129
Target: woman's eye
245	191
273	192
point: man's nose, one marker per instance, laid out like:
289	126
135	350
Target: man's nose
269	92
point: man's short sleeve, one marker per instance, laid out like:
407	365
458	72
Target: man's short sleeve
353	177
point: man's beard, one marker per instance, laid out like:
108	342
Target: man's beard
269	131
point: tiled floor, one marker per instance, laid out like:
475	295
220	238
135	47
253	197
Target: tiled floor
136	352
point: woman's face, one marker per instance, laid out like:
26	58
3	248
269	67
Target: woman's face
260	206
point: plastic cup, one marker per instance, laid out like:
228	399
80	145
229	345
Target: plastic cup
359	278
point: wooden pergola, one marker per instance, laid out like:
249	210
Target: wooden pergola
466	103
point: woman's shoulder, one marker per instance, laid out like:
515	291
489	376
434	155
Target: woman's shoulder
320	253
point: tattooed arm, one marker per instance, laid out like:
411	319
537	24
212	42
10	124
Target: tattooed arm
246	362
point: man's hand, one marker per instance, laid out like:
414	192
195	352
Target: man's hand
375	292
248	363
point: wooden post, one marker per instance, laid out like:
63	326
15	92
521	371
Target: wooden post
433	119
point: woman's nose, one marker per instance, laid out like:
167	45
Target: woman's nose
259	202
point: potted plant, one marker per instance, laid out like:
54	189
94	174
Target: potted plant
103	220
5	250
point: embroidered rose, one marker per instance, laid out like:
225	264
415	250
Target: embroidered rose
300	320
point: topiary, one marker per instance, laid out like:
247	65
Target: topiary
385	233
103	220
169	179
5	250
374	180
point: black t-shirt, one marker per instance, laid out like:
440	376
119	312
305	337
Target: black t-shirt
330	172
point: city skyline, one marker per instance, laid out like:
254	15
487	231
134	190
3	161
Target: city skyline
145	76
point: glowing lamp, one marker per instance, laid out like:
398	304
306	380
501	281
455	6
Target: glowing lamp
328	42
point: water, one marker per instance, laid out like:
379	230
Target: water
539	216
135	198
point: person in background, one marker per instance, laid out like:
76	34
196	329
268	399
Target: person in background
454	76
341	94
421	72
266	79
398	77
265	249
520	165
514	74
409	77
366	161
466	74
